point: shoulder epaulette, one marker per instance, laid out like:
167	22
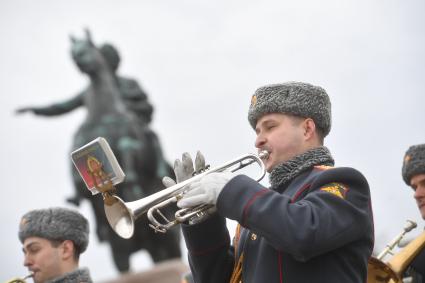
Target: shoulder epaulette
323	167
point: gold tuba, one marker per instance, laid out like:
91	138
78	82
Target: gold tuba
20	280
392	271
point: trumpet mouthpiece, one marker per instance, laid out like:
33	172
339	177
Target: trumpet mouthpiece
264	154
410	225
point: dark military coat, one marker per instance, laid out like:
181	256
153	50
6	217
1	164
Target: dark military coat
319	228
417	268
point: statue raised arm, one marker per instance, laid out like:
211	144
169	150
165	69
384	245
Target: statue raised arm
56	108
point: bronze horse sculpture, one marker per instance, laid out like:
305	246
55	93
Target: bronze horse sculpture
136	148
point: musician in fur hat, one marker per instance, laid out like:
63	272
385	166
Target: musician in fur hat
314	224
53	240
413	172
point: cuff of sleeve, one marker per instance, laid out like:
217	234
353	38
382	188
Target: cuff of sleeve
206	236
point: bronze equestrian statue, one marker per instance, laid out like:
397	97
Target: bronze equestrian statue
119	111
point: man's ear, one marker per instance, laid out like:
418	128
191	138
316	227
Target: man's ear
68	249
309	129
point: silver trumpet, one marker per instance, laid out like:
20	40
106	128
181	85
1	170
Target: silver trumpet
122	215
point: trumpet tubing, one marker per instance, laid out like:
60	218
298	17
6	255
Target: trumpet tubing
409	227
122	215
20	280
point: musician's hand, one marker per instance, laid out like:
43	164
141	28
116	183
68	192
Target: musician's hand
168	182
184	169
205	190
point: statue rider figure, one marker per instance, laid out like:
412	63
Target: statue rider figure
118	110
134	98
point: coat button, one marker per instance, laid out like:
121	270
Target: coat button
253	237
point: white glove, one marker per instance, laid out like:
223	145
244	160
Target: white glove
184	169
205	190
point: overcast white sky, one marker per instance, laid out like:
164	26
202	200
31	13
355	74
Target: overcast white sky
200	62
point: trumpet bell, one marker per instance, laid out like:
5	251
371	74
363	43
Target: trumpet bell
378	271
120	217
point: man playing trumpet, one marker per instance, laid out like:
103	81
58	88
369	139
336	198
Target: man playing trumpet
413	172
314	224
53	240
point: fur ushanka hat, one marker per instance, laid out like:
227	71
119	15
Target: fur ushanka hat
413	162
55	224
295	98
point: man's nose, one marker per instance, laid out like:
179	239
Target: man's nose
259	141
27	261
419	192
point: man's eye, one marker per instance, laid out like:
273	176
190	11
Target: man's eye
34	250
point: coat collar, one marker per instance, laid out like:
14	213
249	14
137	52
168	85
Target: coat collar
81	275
287	171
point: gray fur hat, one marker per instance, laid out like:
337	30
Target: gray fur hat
55	224
295	98
413	162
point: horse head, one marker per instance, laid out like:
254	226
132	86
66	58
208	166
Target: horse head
88	58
